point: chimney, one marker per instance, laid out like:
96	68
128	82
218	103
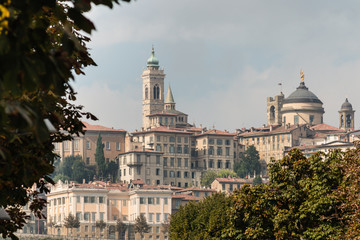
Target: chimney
84	181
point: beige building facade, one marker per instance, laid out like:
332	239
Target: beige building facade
85	145
272	141
97	201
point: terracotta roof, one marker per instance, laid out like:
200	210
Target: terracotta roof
325	127
231	180
140	182
173	188
164	129
89	127
198	189
186	197
216	132
140	150
162	114
275	130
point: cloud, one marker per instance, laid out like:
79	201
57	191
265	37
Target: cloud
223	58
114	107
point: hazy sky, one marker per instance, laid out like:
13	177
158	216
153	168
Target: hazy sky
223	58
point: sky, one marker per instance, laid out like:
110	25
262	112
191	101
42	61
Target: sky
222	58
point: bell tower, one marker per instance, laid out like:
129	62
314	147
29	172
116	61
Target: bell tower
346	116
153	89
274	109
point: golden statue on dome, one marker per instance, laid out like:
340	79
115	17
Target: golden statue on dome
302	76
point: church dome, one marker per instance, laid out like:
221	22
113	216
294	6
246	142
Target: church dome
153	61
302	95
346	105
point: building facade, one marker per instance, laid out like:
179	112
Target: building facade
85	145
96	201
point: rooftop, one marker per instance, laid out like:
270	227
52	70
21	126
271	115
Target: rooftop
89	127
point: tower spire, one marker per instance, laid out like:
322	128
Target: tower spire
169	96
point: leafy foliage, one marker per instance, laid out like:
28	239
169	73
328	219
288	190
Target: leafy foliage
71	222
41	49
100	224
348	195
111	171
307	198
100	157
73	168
121	228
257	180
209	176
249	163
207	219
141	225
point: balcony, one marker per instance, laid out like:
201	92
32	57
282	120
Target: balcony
134	164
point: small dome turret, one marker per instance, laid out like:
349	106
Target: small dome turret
153	61
346	105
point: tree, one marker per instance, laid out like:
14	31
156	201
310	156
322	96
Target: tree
298	203
348	195
251	214
165	226
71	222
206	219
112	169
141	225
41	48
73	168
257	180
121	228
249	163
226	173
100	157
101	225
307	198
209	176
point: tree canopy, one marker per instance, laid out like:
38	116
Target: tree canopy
207	219
209	176
41	48
100	157
307	198
141	225
249	163
71	222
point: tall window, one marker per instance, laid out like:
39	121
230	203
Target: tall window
311	119
272	113
76	144
296	119
348	121
156	92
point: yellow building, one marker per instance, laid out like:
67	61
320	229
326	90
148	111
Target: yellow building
272	141
95	201
85	145
228	185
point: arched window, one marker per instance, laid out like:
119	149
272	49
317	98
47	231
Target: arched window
146	92
342	121
156	92
348	121
272	113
